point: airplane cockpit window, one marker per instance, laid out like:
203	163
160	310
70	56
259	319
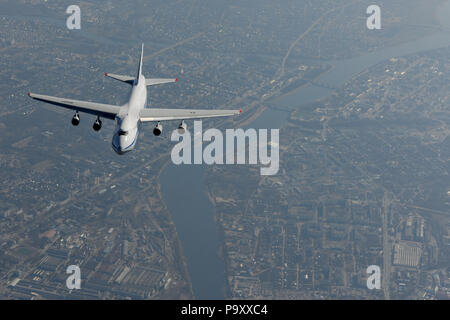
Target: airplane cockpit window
123	133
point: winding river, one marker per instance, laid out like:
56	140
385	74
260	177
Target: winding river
184	189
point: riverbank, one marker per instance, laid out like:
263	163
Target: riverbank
195	228
181	263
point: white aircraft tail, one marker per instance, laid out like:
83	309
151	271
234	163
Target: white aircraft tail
135	80
140	65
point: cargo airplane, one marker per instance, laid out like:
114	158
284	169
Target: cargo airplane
130	115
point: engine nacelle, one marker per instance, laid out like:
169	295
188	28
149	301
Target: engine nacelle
158	129
97	125
76	119
182	127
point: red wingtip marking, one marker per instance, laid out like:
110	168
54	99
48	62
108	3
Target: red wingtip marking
29	93
106	73
176	80
240	111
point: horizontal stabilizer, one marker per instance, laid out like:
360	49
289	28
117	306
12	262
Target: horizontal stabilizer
127	79
152	82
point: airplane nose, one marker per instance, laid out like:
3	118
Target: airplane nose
116	144
123	141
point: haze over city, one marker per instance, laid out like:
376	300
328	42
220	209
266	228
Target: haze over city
361	186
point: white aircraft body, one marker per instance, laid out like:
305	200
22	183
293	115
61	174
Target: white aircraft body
130	115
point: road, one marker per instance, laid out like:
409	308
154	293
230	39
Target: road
386	276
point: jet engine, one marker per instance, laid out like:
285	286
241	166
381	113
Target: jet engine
158	129
182	127
76	119
97	124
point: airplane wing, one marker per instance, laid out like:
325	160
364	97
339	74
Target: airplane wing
103	110
152	114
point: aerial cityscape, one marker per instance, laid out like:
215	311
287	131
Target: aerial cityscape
364	151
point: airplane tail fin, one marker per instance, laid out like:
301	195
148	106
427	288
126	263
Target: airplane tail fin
148	82
140	64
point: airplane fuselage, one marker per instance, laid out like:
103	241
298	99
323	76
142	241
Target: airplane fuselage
128	120
132	114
